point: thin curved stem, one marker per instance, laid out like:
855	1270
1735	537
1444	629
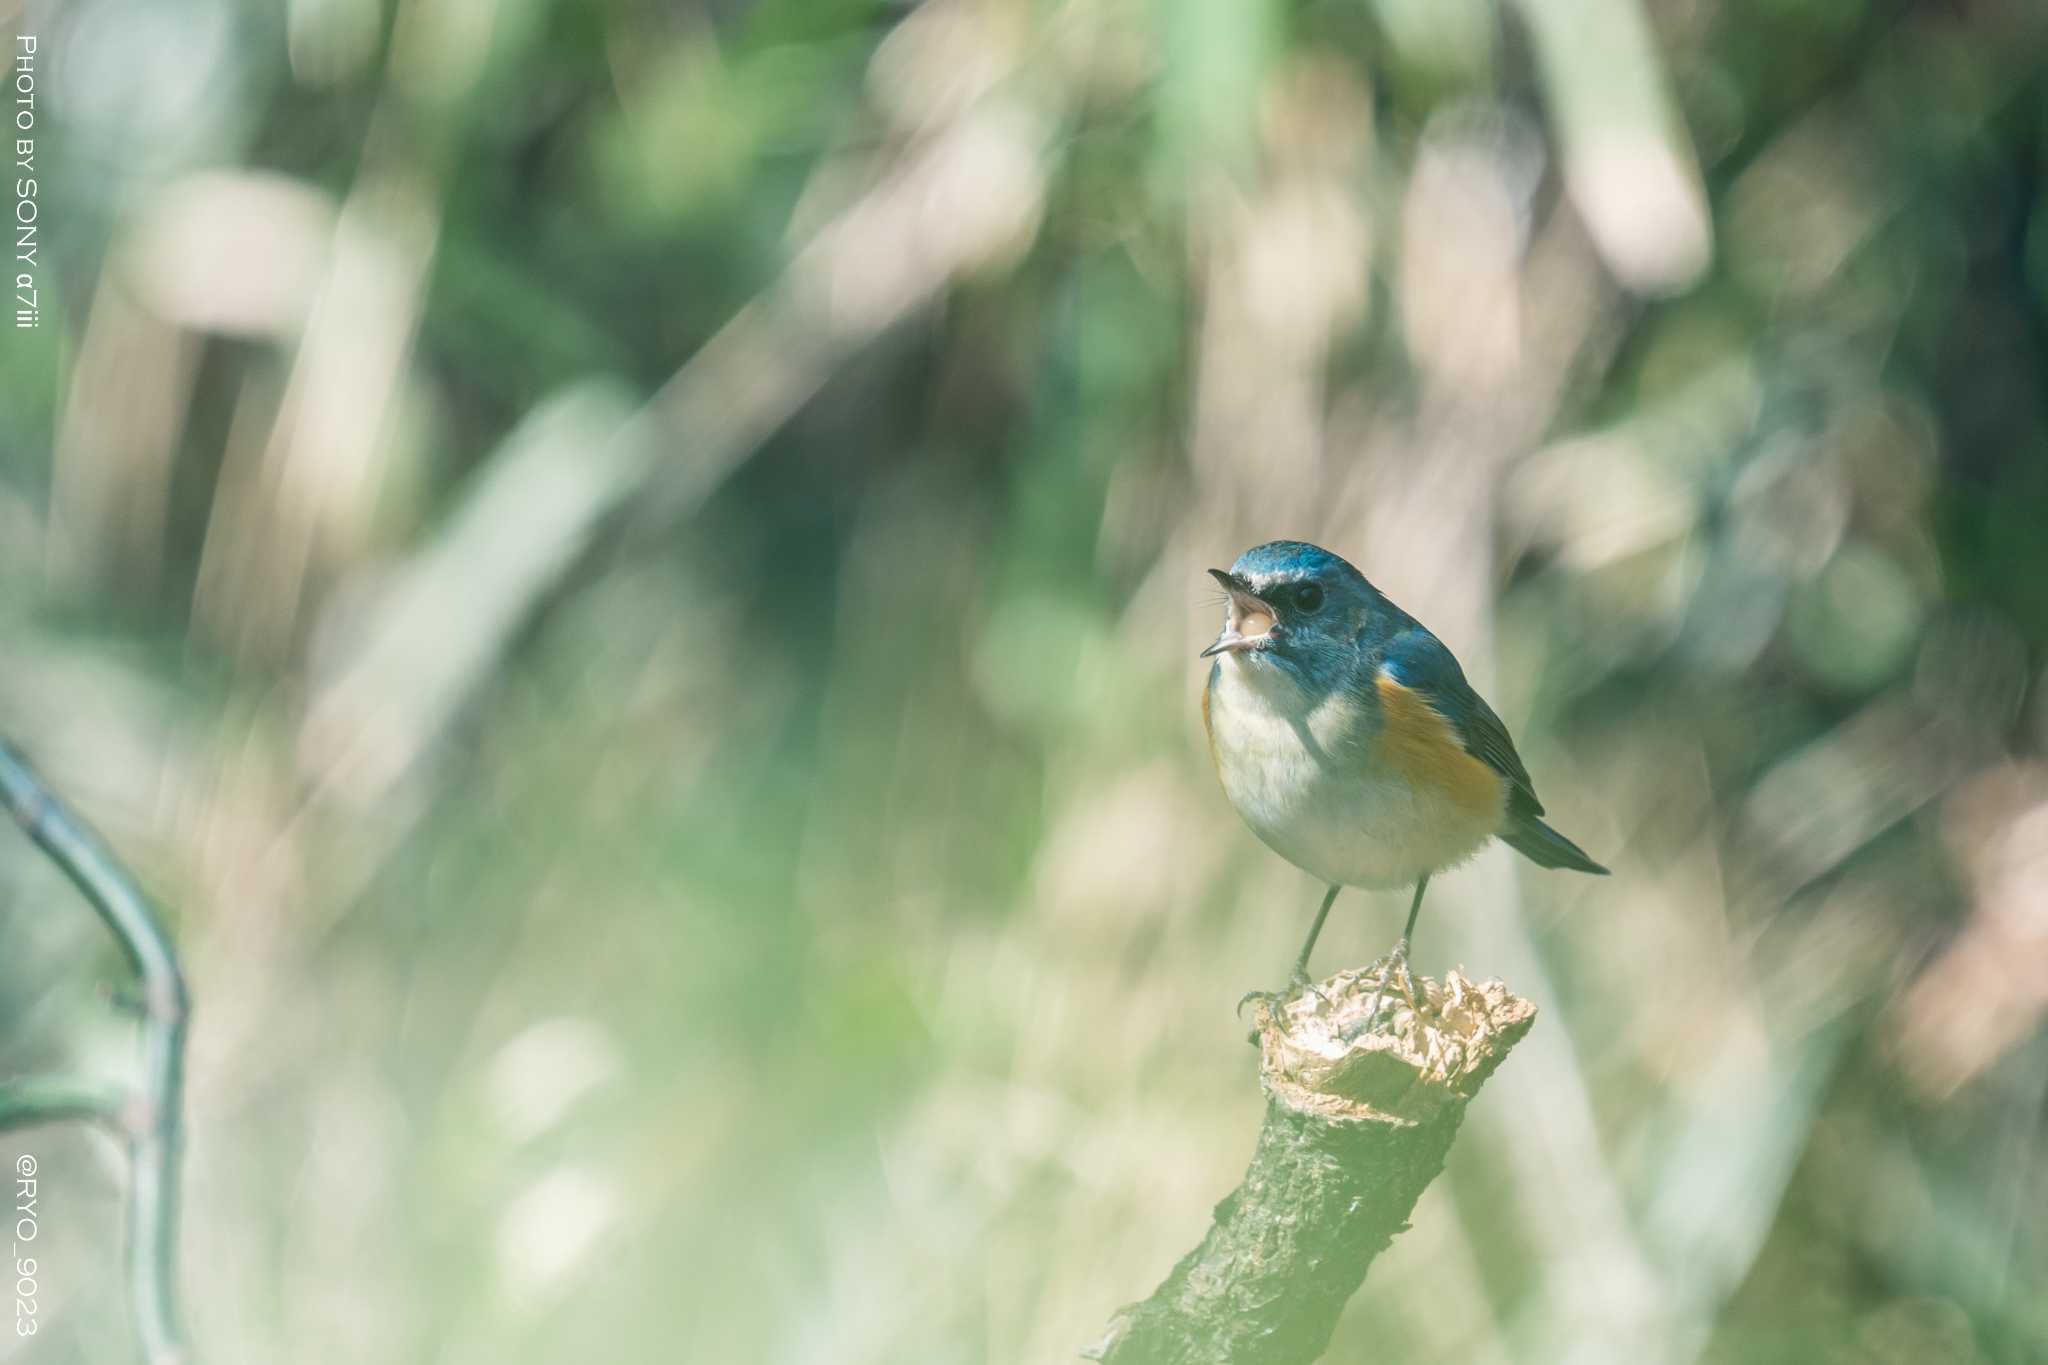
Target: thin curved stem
149	1122
37	1100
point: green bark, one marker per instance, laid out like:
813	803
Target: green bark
1362	1106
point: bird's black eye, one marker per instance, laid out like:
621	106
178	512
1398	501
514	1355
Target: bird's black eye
1308	597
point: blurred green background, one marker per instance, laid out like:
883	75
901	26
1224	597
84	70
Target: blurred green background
630	573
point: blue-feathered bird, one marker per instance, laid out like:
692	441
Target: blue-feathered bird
1348	739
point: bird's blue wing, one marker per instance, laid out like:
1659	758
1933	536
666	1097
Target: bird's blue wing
1418	661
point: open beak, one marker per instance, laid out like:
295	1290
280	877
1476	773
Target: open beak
1250	623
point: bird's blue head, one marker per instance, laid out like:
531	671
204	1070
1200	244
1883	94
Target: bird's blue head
1297	608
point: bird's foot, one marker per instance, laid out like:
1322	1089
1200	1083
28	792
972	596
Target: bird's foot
1275	1001
1391	971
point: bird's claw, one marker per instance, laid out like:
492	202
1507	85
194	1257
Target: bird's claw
1274	1000
1392	969
1270	999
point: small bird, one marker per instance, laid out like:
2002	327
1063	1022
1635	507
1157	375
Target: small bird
1347	737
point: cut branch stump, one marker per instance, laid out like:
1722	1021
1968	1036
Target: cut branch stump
1364	1094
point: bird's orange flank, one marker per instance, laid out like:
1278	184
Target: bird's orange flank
1418	742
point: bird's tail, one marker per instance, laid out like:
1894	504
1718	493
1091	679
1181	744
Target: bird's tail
1545	847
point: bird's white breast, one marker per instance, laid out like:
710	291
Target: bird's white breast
1303	773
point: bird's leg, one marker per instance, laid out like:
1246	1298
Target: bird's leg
1414	908
1394	966
1315	931
1299	980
